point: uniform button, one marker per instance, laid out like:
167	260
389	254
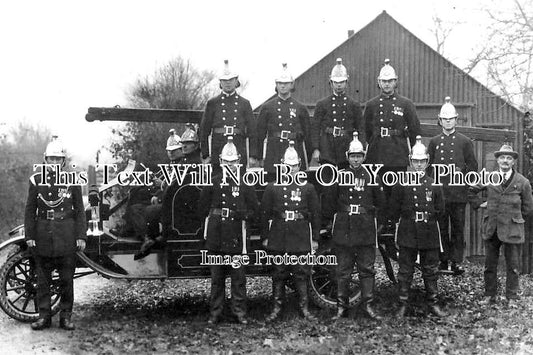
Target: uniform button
381	112
442	158
380	99
343	111
291	103
332	105
453	137
452	143
416	204
380	105
285	196
334	120
351	190
223	118
284	189
442	151
451	151
416	197
223	195
279	103
333	98
344	98
223	104
351	197
279	116
236	97
414	188
279	109
223	110
441	137
334	112
236	103
286	204
394	98
223	97
381	120
235	110
280	125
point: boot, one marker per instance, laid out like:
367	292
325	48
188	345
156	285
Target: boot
41	323
431	294
367	294
342	301
146	246
65	322
301	288
278	294
402	310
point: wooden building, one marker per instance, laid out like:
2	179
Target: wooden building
426	78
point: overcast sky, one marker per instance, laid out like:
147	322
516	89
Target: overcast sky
61	57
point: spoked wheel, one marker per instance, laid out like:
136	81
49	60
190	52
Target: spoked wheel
323	286
19	288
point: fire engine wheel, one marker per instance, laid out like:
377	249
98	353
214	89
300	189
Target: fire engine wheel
19	288
323	287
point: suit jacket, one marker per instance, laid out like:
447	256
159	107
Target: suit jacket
335	111
294	235
506	208
396	113
54	217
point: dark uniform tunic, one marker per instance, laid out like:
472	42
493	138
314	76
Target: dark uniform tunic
335	119
457	149
389	120
225	114
226	208
54	218
293	231
418	209
281	120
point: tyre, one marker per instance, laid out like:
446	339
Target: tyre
18	284
323	287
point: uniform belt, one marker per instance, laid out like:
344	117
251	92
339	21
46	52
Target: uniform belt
423	216
353	209
389	132
54	215
292	215
223	212
227	130
336	131
285	135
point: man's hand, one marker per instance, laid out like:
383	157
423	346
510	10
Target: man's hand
80	244
314	246
206	160
154	200
253	162
30	243
265	242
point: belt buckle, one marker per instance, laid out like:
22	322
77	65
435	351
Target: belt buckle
228	130
225	212
290	216
384	132
50	215
285	134
336	131
354	209
420	217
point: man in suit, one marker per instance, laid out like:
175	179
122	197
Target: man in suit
451	147
227	114
55	227
503	225
416	208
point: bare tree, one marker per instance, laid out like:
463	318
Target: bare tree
176	85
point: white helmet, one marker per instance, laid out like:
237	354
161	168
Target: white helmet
387	72
447	110
229	152
355	146
174	141
419	151
227	73
55	148
291	155
284	76
339	72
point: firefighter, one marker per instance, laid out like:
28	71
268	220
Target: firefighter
336	117
356	206
190	143
281	119
227	208
451	147
417	208
149	215
227	114
55	228
290	223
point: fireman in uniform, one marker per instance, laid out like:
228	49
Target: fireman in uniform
281	119
227	208
290	223
354	230
451	147
417	208
55	227
391	125
150	214
227	114
336	118
190	154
